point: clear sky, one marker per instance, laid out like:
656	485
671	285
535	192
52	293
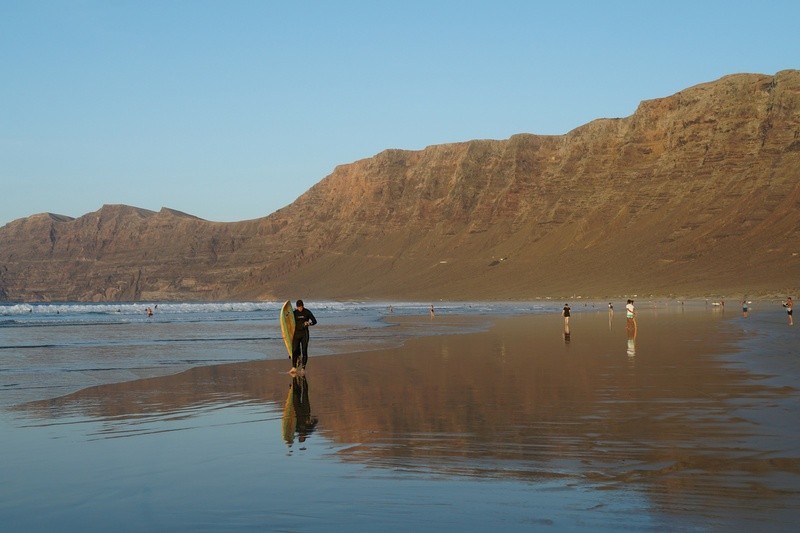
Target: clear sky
229	110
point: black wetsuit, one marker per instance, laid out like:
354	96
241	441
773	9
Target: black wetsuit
300	340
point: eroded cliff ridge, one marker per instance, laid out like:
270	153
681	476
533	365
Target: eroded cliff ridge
696	193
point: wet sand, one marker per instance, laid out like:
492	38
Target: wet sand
681	427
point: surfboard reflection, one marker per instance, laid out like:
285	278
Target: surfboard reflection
297	418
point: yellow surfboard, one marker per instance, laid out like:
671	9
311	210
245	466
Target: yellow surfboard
287	325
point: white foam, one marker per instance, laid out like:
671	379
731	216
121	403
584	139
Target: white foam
325	307
135	308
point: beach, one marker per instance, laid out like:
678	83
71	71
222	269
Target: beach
476	419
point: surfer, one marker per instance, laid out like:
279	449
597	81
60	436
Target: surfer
303	318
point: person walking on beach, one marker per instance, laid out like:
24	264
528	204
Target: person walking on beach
303	319
788	305
565	314
630	314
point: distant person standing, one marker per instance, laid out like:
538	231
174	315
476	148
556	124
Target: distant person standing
788	304
433	313
744	308
565	314
630	315
303	319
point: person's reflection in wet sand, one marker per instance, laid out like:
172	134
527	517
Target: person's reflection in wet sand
631	342
566	333
297	416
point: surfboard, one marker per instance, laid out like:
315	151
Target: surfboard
287	325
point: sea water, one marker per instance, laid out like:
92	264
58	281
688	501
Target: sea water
51	349
92	442
111	419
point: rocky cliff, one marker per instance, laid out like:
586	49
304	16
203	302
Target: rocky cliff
696	193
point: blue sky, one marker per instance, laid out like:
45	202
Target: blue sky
229	110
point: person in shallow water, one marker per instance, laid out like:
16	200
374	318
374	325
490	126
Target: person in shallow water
788	304
303	319
630	315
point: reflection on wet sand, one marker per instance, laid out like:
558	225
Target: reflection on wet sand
631	351
297	417
516	402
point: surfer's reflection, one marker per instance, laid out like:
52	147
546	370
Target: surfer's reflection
297	412
566	333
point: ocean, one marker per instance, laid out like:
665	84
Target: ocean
487	416
48	350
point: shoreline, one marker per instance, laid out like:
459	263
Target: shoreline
731	296
401	328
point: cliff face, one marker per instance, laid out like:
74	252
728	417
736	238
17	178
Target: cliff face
117	253
695	193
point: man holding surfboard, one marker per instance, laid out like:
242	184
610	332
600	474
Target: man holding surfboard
303	319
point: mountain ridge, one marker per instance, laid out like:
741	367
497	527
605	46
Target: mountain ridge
694	193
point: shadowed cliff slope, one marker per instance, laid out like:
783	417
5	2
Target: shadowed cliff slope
696	193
